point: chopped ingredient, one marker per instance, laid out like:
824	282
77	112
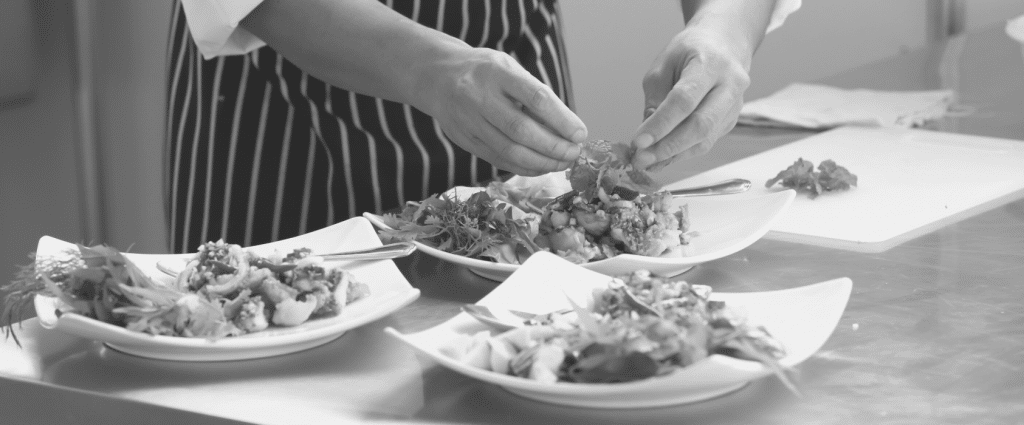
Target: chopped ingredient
802	177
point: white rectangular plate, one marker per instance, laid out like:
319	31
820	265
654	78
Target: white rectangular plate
801	318
389	291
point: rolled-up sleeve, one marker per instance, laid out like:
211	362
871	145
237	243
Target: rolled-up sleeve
783	8
214	26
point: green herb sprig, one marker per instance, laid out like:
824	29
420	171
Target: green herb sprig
468	227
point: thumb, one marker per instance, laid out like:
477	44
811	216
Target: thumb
655	91
656	88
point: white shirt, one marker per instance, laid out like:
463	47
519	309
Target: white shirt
214	24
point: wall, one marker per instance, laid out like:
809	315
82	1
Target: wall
18	46
130	45
612	43
983	13
39	193
38	170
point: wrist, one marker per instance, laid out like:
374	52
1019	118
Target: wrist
430	64
739	24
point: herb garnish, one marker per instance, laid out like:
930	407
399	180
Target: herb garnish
478	226
802	177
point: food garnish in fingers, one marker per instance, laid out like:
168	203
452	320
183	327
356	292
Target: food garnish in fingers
612	209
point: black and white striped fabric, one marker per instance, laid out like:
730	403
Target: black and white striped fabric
258	150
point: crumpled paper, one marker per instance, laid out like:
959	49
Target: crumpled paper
814	106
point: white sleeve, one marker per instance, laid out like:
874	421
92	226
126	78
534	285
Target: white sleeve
782	10
214	26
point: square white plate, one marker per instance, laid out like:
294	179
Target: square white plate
725	224
802	319
389	291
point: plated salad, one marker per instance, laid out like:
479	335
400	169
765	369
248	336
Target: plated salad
611	210
225	291
639	326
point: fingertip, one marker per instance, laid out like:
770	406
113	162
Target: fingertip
579	137
572	153
643	159
643	141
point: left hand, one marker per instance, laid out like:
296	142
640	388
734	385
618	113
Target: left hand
693	95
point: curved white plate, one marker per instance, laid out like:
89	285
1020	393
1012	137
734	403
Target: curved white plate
389	291
801	318
725	225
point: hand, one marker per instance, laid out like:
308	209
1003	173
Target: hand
491	106
483	99
693	95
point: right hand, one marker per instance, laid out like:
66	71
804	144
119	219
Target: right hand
492	107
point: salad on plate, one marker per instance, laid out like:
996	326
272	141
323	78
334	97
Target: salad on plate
610	210
225	291
638	326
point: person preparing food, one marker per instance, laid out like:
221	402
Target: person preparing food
288	116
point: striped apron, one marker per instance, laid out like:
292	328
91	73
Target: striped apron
258	150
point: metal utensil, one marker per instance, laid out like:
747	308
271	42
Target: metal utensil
384	252
721	188
503	319
726	187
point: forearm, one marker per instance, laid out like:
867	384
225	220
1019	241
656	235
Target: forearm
358	45
743	21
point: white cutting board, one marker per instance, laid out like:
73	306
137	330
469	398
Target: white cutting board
910	182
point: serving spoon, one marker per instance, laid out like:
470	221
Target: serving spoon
384	252
726	187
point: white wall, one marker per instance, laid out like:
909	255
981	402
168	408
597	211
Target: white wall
18	47
38	174
131	90
825	37
611	44
38	164
984	13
